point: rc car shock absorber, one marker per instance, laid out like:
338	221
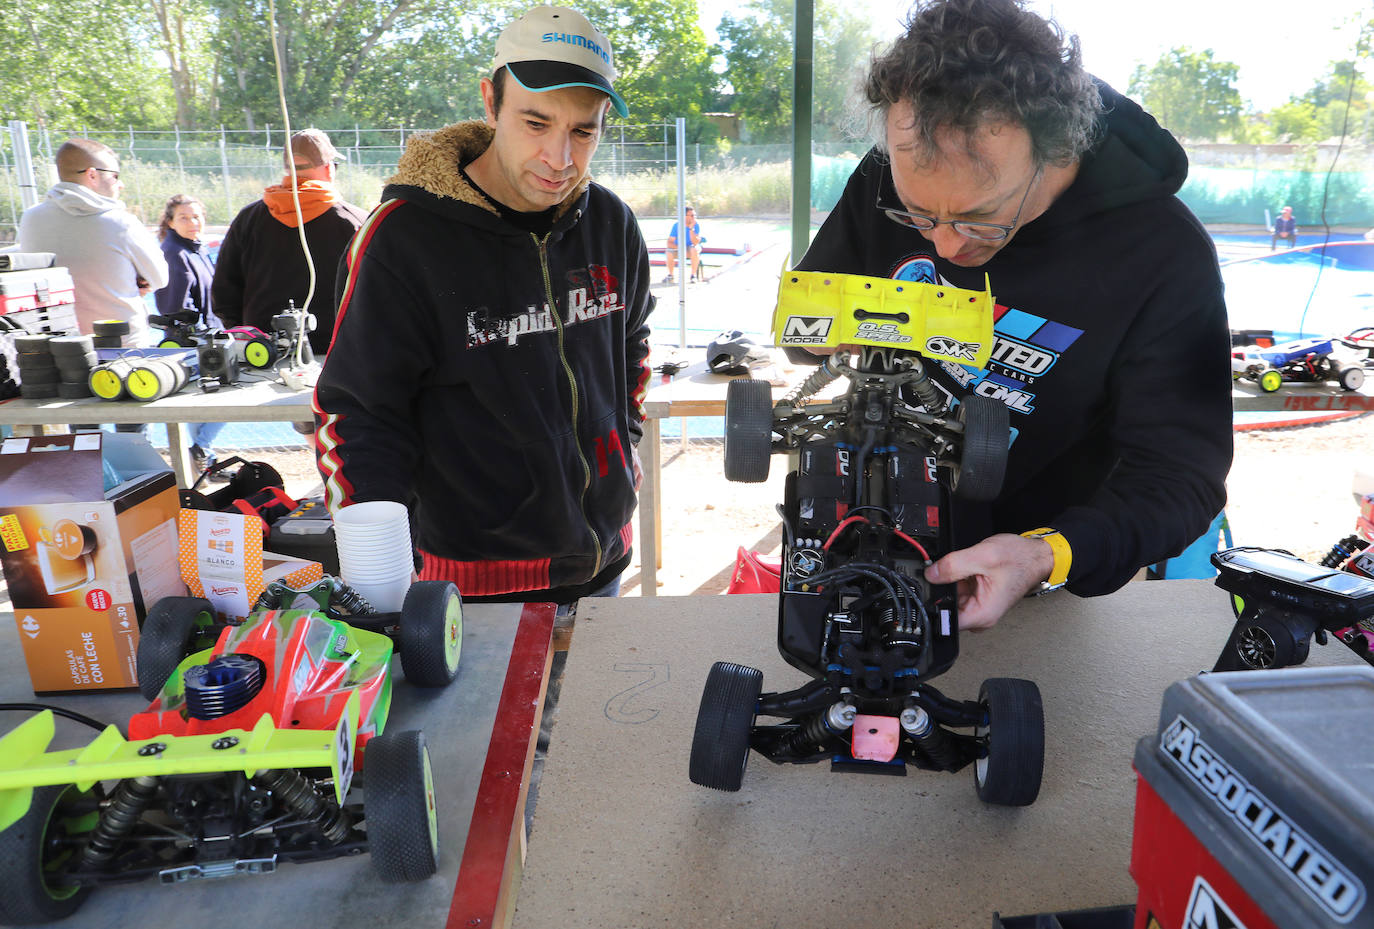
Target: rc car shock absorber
934	741
349	600
812	736
816	381
300	796
930	398
1340	552
127	804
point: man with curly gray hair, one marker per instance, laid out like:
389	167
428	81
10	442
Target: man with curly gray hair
998	155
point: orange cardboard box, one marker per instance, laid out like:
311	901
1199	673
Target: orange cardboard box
222	560
83	564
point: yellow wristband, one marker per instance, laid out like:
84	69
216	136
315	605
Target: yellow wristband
1063	556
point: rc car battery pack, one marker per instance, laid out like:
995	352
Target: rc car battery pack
1253	806
88	542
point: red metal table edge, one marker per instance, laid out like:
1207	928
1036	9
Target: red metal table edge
488	877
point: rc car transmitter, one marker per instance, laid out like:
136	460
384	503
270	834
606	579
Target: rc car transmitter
1281	601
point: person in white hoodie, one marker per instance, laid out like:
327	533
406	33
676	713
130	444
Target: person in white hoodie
112	257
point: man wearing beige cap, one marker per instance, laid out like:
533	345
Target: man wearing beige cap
489	361
261	265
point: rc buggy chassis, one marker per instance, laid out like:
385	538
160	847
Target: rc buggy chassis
245	757
1310	360
866	510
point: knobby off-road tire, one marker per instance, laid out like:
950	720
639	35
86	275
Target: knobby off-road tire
30	889
748	430
431	633
398	804
166	639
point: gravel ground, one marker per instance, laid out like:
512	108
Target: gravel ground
1289	488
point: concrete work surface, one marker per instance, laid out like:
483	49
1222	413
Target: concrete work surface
457	722
621	839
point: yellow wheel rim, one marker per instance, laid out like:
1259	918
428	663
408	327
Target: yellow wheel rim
1271	381
257	354
105	384
143	384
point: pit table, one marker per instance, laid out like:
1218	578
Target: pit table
249	401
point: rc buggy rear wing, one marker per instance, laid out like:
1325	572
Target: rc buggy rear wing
27	763
817	309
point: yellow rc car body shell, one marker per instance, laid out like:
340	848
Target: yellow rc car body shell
818	309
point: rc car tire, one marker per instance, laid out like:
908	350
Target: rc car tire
983	458
26	896
1015	732
431	637
1270	381
720	745
1352	378
748	430
398	807
166	639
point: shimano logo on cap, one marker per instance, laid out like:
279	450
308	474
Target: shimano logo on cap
580	41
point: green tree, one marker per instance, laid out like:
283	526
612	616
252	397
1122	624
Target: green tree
82	65
1191	93
336	55
757	46
1294	121
663	60
182	31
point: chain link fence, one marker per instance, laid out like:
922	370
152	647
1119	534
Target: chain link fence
229	168
226	168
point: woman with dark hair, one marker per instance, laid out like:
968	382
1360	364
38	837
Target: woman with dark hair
188	288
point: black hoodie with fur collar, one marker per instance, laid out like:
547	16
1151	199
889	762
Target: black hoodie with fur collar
490	378
1111	350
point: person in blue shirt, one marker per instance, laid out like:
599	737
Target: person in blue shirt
694	240
1286	228
189	276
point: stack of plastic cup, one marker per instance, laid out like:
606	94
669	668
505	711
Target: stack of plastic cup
375	557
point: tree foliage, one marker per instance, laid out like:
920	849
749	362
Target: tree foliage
1192	94
82	63
757	46
119	63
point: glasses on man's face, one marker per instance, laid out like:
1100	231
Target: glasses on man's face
986	232
106	171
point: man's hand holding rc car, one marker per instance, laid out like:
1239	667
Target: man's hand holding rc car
993	575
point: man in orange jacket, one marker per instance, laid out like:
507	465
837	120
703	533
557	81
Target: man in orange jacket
261	265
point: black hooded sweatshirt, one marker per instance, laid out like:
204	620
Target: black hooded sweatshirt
1111	351
491	378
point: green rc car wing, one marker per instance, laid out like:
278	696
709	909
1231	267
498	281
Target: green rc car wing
25	762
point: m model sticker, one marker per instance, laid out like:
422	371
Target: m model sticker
806	330
1311	867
